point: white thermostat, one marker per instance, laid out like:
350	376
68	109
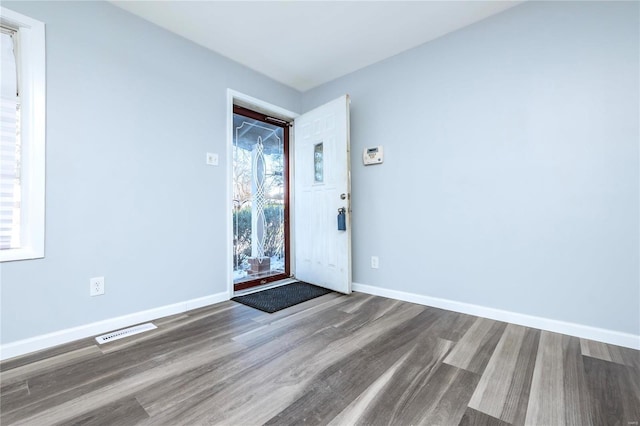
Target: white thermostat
372	155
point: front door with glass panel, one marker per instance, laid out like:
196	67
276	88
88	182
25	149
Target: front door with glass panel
322	196
260	199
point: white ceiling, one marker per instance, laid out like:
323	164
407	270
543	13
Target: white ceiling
306	43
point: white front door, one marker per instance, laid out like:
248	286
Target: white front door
322	187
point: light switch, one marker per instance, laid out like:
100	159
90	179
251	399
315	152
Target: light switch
212	158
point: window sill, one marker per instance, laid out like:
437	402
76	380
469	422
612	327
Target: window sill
11	255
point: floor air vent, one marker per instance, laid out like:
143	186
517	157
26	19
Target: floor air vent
115	335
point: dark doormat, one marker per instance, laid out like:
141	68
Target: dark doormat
278	298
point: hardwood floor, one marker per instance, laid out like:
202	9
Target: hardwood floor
338	360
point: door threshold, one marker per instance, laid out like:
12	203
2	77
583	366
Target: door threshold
265	286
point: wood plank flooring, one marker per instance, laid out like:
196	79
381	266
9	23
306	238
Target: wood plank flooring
339	360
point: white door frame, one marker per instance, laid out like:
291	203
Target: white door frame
235	97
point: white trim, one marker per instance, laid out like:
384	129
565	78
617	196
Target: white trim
260	105
265	107
572	329
49	340
32	66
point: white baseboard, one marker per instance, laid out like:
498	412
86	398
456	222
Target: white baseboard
49	340
578	330
32	344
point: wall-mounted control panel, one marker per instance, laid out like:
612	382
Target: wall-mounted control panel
373	155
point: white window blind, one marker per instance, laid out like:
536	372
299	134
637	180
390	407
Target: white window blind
22	136
10	190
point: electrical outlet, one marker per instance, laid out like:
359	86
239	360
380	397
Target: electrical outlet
96	286
212	158
375	262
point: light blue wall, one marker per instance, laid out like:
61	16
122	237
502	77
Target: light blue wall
131	112
511	175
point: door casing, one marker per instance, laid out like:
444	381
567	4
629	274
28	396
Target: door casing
241	99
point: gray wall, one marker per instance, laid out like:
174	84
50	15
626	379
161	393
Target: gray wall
511	164
131	112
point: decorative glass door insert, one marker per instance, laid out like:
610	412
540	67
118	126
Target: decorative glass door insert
260	199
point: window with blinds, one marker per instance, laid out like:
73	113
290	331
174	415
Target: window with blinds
10	149
22	136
